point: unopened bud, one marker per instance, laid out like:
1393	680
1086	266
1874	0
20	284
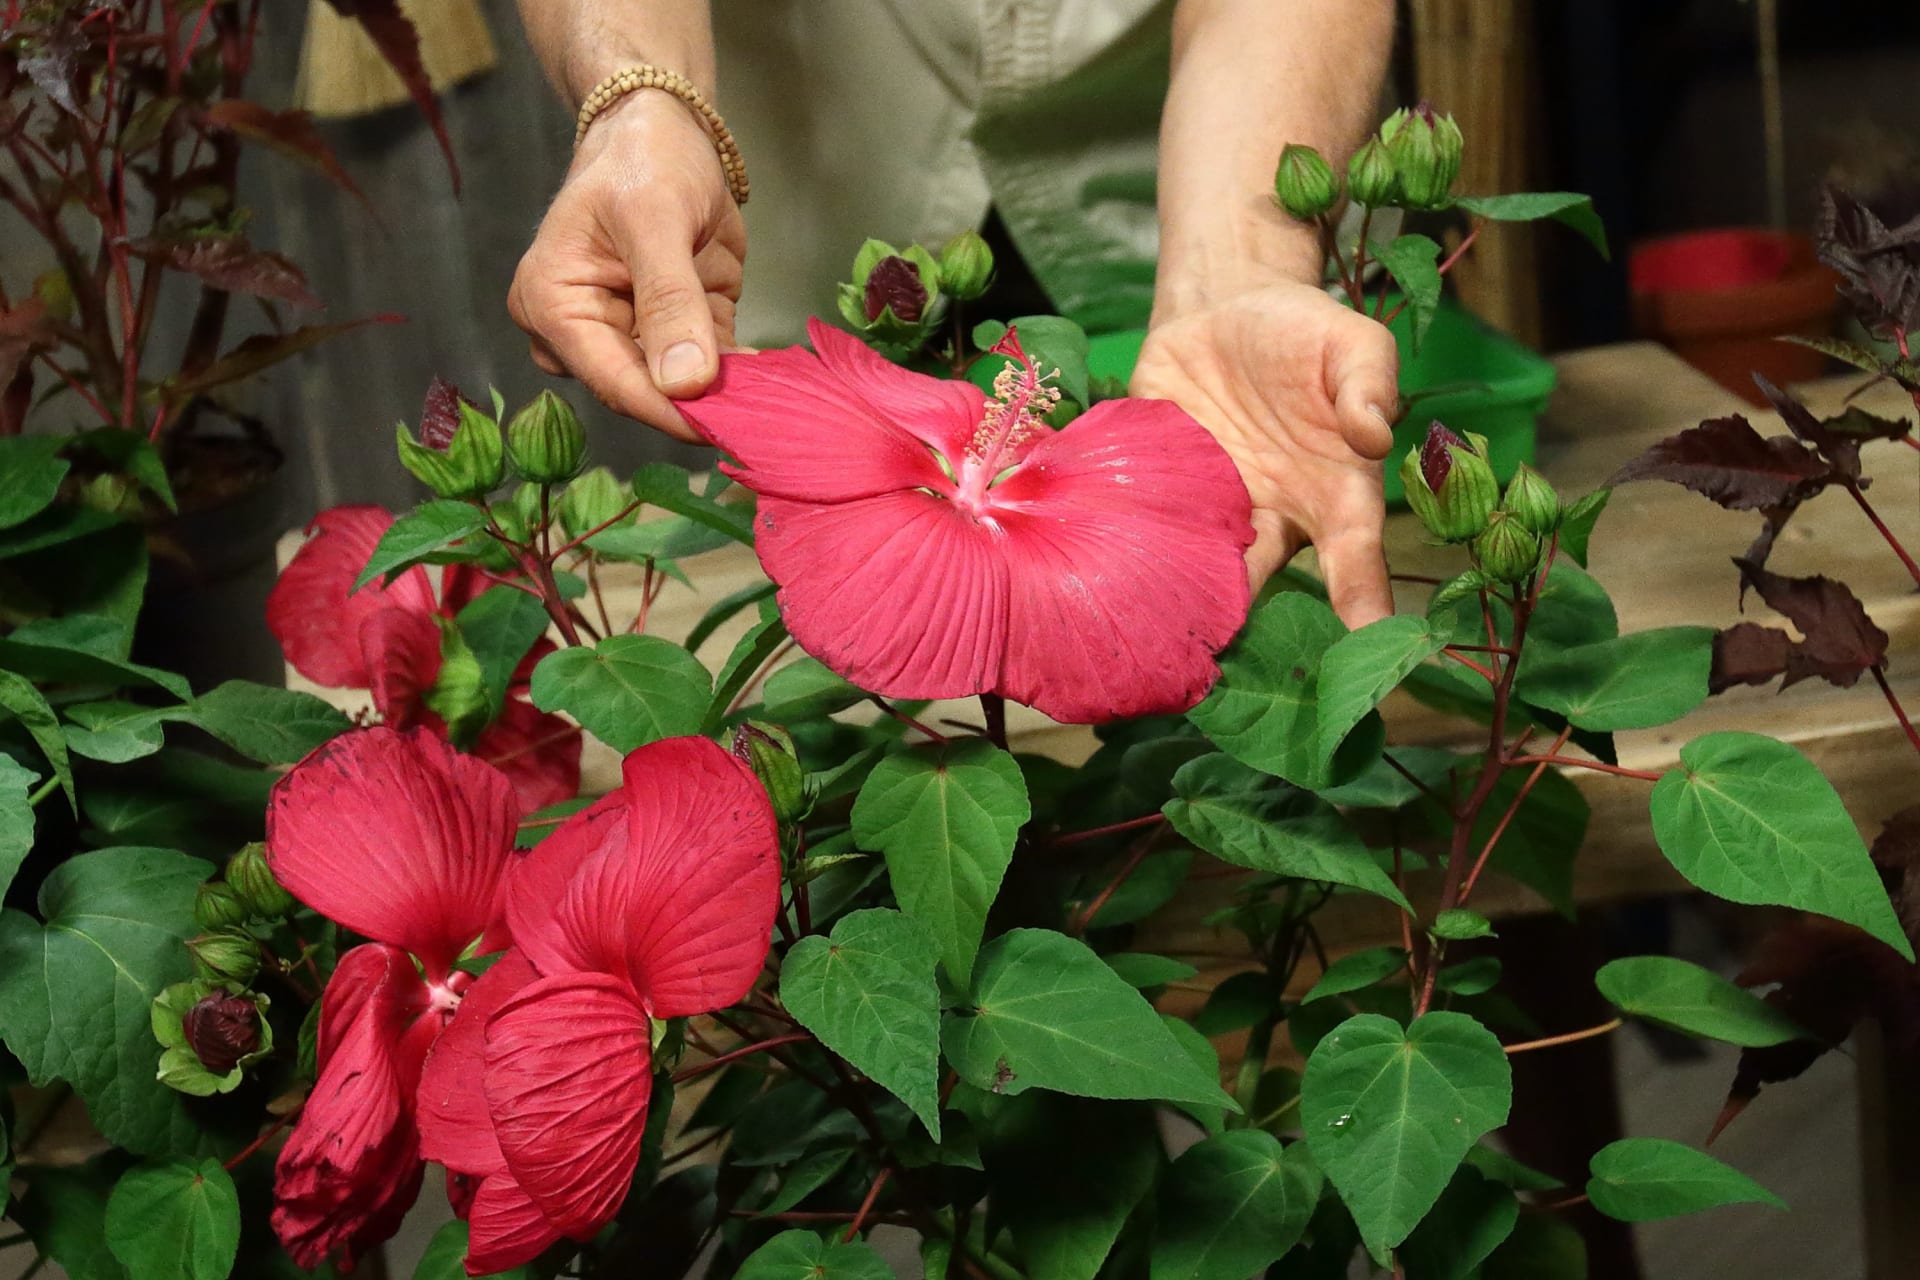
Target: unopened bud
893	292
1370	175
966	266
459	453
1531	501
1506	550
221	1030
545	441
1450	484
226	954
1425	148
769	749
1304	183
217	906
253	880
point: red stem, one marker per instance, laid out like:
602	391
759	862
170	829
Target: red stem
1905	559
261	1141
1899	712
1112	828
1491	676
761	1046
866	1205
1506	819
604	525
1645	775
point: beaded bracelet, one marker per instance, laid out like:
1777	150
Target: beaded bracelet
622	83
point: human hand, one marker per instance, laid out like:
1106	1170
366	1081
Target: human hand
631	281
1299	390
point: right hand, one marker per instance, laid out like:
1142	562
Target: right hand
631	282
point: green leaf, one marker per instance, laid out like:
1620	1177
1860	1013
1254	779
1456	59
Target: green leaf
75	995
1053	343
1066	1173
868	993
1542	1247
805	690
1576	526
1472	1218
1232	1206
18	696
1360	669
31	470
1264	711
82	648
446	1258
428	528
1413	262
499	626
1568	207
1381	786
806	1176
1240	1001
1244	818
627	690
1046	1013
945	817
65	1211
1646	1179
658	540
1471	977
1462	586
1752	820
134	456
1361	969
175	1221
725	609
802	1255
670	488
750	652
1685	997
1457	924
1636	681
115	732
1140	970
1150	887
1539	846
266	723
1389	1114
16	829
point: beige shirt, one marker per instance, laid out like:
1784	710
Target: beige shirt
905	119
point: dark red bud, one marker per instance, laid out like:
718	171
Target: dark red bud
1427	114
1436	463
895	283
440	415
221	1030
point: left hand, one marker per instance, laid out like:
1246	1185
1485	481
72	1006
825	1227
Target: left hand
1300	390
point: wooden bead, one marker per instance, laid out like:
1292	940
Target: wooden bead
621	83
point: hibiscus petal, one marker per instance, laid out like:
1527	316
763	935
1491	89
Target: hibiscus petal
676	894
568	1073
402	648
1124	543
456	1129
313	610
396	836
942	412
539	752
538	881
798	431
351	1168
505	1228
904	594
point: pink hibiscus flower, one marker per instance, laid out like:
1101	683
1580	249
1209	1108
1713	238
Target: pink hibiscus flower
405	841
930	542
656	902
387	640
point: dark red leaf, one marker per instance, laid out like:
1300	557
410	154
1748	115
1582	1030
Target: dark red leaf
895	284
15	401
1896	852
1879	266
263	351
440	414
393	34
1748	654
292	133
230	263
1841	641
1726	460
50	58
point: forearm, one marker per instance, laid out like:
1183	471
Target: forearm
582	42
1250	76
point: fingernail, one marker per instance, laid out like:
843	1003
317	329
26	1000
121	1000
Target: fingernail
1375	410
682	361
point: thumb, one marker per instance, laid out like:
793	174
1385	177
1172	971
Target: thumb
672	320
1363	378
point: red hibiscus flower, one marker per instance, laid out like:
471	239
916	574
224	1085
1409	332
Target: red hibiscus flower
656	902
387	640
405	841
930	542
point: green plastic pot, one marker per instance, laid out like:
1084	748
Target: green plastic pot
1466	375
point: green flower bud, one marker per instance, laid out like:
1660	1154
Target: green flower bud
459	453
1425	148
1304	183
1370	176
595	497
1505	549
1532	501
1450	484
111	495
251	878
892	296
545	441
210	1032
218	906
226	954
769	749
966	266
459	694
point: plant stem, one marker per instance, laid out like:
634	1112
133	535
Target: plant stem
1112	828
1645	775
906	719
42	791
1253	1065
1549	1042
764	1046
1140	850
1418	785
1912	569
1899	712
866	1205
1506	819
994	709
265	1137
1491	676
602	527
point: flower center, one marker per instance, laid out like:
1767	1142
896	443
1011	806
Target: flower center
1014	420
